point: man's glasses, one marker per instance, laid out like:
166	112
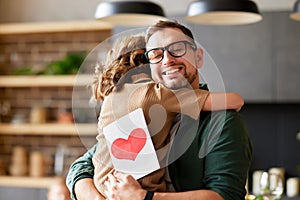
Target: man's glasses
175	49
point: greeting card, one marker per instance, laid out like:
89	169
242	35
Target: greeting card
130	145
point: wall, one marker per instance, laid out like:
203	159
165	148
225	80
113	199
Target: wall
260	61
37	50
52	10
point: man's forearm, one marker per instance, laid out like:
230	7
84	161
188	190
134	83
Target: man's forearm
82	168
86	190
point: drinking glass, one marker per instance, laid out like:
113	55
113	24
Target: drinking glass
271	186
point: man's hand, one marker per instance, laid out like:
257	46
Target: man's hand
123	187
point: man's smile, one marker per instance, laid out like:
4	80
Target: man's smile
172	71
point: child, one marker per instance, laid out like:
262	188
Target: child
126	85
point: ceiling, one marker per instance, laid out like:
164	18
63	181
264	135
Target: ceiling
264	5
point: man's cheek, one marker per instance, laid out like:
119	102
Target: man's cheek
156	75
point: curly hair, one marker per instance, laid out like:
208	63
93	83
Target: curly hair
129	53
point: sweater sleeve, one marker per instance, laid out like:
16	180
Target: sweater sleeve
184	100
228	159
82	168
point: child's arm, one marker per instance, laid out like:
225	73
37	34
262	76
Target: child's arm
222	101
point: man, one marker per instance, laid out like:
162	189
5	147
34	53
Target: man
209	162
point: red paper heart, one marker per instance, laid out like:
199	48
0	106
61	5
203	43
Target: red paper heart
129	149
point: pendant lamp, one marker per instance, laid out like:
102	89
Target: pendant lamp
223	12
129	13
296	11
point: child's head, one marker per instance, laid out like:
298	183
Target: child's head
126	54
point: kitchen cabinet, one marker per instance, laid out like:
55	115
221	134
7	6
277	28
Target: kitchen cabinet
286	45
25	187
242	56
8	193
260	61
273	130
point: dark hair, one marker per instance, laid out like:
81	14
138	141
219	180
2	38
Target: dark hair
168	24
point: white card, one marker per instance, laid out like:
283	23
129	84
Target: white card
130	145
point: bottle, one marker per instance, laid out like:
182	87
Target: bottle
36	164
19	162
38	115
292	187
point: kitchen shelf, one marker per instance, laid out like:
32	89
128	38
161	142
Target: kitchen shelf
48	129
50	27
44	80
27	182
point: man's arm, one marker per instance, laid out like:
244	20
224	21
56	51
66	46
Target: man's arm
218	158
230	159
123	187
80	177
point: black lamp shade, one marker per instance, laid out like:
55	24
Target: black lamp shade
223	12
129	13
296	11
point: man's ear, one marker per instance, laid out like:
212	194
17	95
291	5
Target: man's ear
199	57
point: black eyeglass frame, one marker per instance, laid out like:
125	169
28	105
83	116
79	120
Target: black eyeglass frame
166	48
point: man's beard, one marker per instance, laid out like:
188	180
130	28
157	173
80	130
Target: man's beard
182	82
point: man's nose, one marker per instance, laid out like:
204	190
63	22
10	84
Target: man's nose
168	58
